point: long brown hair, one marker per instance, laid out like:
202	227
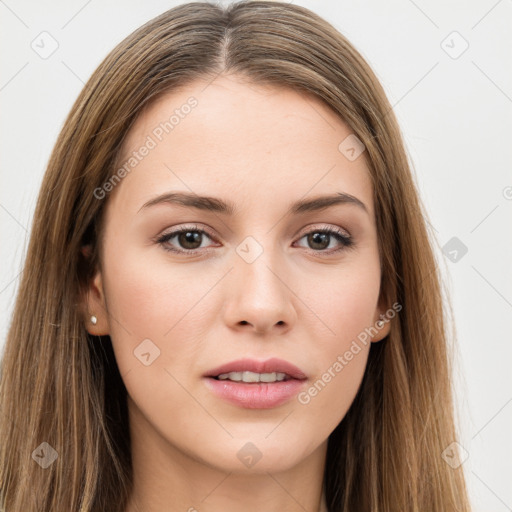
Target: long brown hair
61	386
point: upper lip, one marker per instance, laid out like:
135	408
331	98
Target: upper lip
252	365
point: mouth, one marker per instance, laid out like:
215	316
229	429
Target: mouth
256	384
253	377
252	370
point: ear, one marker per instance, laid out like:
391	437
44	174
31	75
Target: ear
94	303
381	323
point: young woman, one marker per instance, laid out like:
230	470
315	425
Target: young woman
230	299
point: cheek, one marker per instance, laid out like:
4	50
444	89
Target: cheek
345	306
151	300
157	316
344	299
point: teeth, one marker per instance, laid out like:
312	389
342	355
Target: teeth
252	377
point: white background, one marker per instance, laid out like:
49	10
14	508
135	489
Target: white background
455	114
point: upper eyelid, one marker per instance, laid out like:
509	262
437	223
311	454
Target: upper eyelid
178	230
195	227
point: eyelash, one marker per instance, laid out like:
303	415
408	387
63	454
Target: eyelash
345	240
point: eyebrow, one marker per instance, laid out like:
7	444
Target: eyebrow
213	204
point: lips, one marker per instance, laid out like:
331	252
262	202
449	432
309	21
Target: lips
256	395
273	365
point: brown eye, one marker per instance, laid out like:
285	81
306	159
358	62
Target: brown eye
319	240
189	239
185	240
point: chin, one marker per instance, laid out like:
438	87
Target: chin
256	455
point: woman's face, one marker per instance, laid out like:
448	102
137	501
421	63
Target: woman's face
256	280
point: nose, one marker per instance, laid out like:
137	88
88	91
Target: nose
259	297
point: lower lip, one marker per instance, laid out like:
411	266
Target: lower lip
260	395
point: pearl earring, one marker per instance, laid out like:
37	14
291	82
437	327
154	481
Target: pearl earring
94	320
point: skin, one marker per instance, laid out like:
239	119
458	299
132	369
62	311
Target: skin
261	148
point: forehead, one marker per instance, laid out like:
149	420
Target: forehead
237	139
